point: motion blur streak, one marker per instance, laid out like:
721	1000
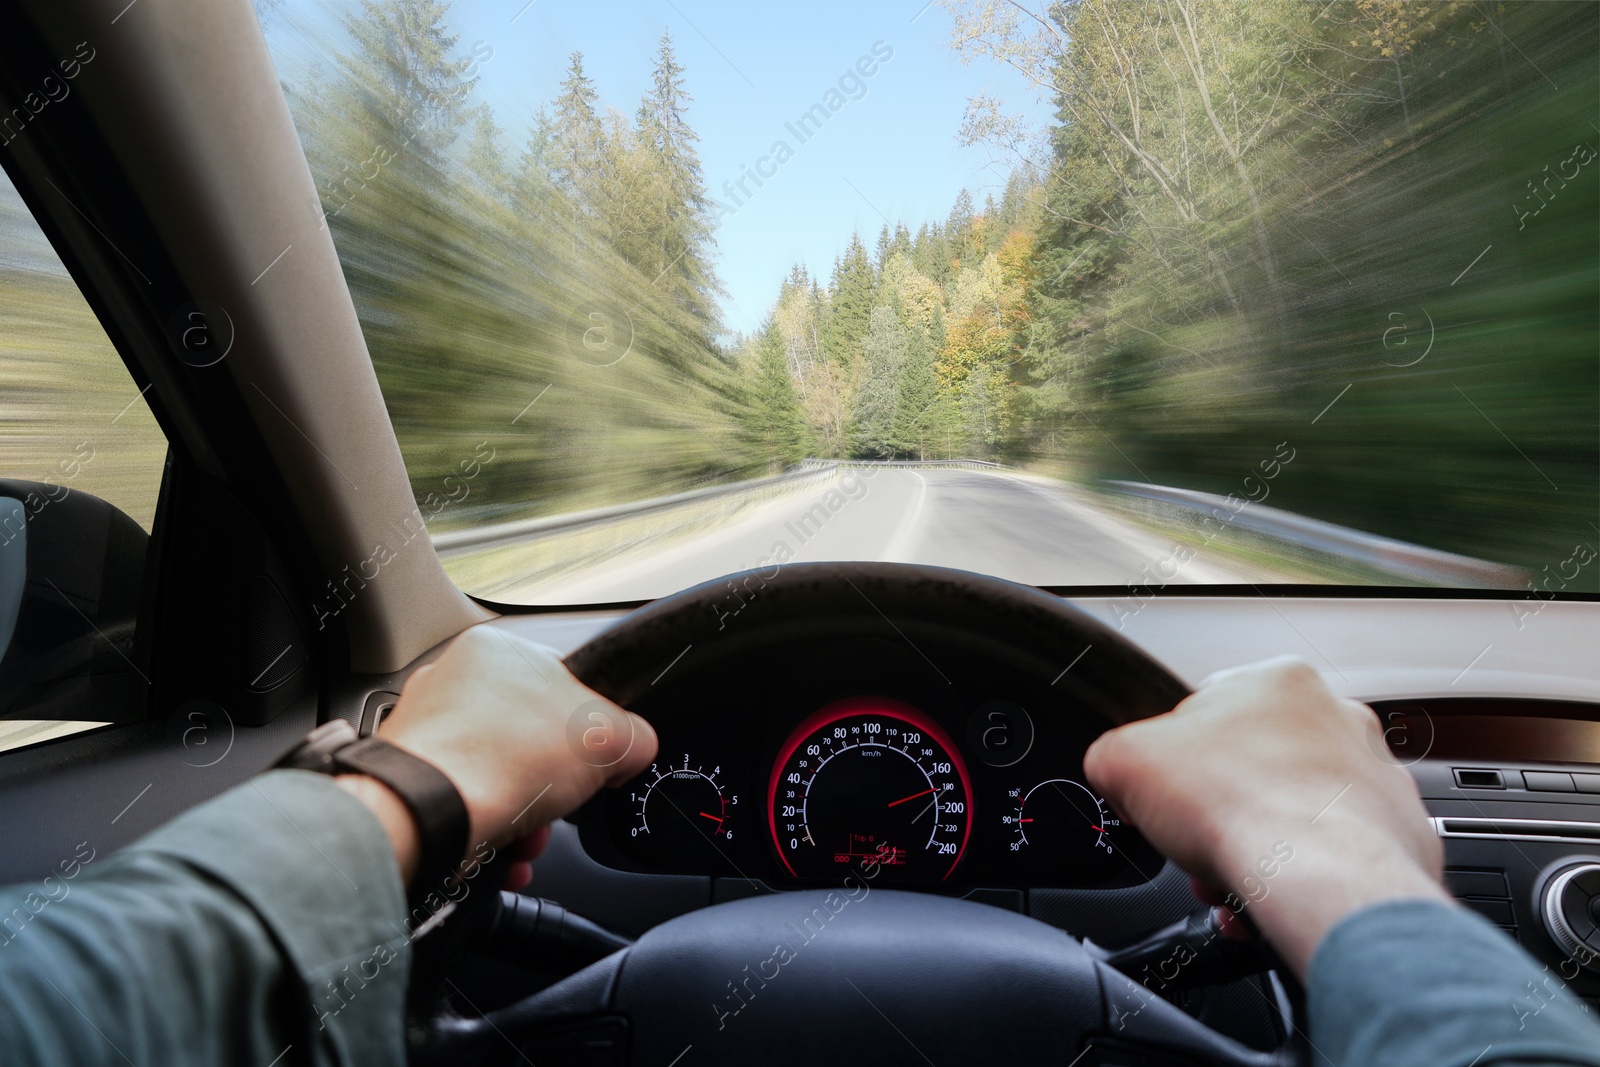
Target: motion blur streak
1366	227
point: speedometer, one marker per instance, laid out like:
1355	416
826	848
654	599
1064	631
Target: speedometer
870	783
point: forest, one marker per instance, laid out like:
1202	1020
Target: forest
1365	228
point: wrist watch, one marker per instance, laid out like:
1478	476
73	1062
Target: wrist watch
435	804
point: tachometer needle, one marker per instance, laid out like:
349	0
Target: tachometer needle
913	796
713	818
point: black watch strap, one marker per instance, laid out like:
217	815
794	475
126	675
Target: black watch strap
433	800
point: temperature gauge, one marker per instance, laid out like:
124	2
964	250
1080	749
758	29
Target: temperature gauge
1059	817
680	810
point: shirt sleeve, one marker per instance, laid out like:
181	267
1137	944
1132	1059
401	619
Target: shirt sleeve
266	926
1417	982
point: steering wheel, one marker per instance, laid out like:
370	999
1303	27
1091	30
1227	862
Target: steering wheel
885	975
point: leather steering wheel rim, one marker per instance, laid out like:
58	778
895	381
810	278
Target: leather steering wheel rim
719	619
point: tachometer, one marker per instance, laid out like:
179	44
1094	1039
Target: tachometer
678	809
870	782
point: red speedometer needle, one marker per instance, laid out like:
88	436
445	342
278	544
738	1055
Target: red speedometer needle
713	818
913	796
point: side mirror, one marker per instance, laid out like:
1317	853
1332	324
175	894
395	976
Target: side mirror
71	576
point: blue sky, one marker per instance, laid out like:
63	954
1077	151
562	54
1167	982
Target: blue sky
751	68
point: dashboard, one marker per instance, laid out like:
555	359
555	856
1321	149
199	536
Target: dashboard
1499	723
880	764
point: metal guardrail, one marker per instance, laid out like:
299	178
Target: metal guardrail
548	526
923	464
1383	553
1342	542
806	470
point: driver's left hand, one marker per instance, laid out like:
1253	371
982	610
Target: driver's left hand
522	739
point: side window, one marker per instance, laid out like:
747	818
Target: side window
81	461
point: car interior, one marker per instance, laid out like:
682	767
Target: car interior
826	726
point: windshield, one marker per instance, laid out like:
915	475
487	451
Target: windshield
1090	293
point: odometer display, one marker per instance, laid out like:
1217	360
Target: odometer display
870	783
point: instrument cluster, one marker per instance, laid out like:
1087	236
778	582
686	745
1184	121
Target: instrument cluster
863	760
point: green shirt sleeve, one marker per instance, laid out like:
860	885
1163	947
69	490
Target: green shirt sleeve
266	926
1415	982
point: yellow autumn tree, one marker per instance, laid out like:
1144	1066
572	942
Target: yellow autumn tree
986	328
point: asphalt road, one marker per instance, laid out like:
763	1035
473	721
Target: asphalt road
1011	526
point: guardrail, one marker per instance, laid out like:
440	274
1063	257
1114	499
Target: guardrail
924	464
533	529
1382	553
805	471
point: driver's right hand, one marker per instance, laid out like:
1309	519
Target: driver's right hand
1267	785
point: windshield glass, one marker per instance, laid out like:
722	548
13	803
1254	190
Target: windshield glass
1089	293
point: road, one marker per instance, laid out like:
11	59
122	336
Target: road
1012	526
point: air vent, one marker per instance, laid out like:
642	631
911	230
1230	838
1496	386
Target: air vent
1518	829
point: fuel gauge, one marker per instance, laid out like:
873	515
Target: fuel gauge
1059	817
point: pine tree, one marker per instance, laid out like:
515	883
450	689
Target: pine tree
683	242
473	304
994	225
901	241
573	155
776	425
918	408
625	195
875	412
930	253
1014	201
958	228
484	158
850	304
533	187
406	70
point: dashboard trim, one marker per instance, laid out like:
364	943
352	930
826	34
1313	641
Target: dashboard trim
1350	639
